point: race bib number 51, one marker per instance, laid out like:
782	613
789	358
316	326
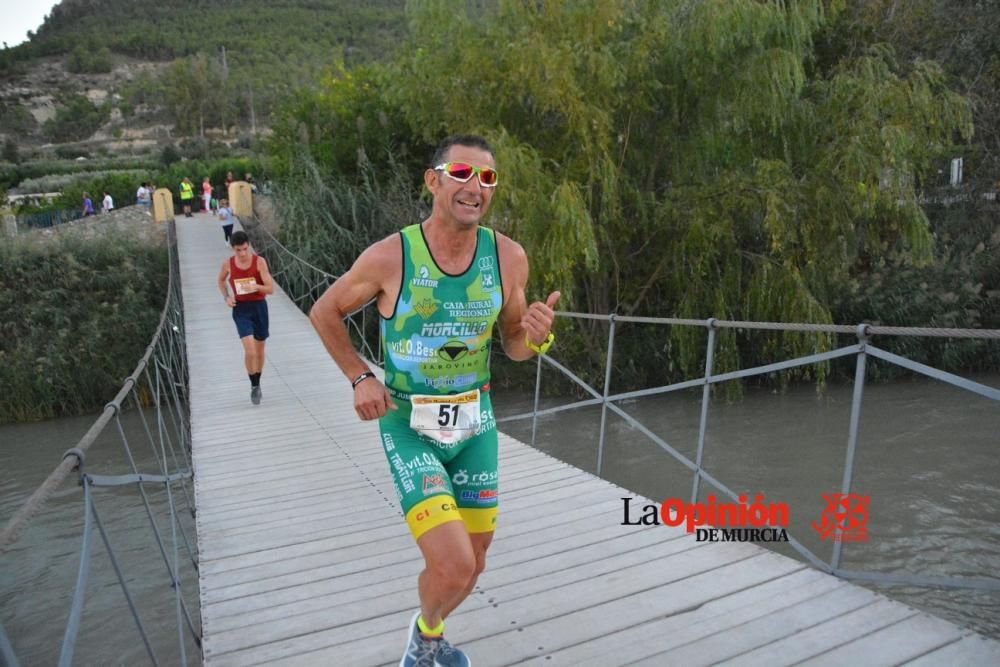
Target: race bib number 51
447	419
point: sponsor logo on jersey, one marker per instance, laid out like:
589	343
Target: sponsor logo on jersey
454	381
426	308
477	309
483	496
453	350
423	278
453	329
434	484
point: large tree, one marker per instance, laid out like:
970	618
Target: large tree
682	158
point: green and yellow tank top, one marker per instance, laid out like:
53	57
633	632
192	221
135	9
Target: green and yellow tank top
438	339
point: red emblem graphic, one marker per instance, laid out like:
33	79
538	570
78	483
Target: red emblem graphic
845	518
433	484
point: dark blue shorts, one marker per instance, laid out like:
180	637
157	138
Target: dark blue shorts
251	319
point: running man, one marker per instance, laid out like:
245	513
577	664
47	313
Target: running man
246	274
439	286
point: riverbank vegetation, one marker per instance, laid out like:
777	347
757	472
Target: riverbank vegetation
741	160
78	315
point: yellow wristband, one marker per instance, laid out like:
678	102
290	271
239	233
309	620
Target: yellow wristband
540	349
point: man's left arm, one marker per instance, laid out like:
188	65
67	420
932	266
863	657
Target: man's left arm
265	275
519	321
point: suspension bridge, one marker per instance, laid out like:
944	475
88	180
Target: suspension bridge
303	557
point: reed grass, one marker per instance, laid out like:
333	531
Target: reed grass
75	317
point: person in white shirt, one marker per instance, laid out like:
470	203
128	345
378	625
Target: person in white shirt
226	219
108	203
143	196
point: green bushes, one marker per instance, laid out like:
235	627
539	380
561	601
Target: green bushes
59	182
75	317
77	119
121	187
329	222
86	60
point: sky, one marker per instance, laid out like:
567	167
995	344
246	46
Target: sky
20	16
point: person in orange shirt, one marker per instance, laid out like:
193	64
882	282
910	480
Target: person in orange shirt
206	194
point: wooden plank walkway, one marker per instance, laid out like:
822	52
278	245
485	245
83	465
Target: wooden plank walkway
306	560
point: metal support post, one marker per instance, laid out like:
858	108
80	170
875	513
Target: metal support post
607	387
852	436
705	394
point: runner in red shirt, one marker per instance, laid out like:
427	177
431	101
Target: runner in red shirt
247	276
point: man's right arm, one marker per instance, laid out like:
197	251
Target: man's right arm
362	283
223	287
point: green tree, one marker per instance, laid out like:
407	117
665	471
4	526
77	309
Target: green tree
680	158
10	152
84	59
197	96
76	119
15	119
961	36
169	155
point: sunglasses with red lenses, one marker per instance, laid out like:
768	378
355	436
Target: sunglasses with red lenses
463	171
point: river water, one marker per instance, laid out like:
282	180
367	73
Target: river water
39	573
927	457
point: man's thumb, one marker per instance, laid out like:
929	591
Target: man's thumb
551	301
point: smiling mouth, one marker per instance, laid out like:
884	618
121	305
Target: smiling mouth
471	204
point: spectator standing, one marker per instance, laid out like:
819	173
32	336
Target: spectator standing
144	196
108	204
88	205
206	194
187	196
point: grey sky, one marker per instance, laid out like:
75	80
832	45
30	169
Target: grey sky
20	16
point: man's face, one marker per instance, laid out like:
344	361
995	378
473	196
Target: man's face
242	251
465	203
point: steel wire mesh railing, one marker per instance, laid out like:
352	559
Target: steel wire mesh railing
159	381
861	351
304	283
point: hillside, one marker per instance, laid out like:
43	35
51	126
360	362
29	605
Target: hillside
131	73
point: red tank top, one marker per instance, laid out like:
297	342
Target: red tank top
239	277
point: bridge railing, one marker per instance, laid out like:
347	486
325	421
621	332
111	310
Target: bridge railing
159	381
861	351
305	283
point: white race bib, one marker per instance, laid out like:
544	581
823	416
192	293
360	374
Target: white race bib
447	419
245	285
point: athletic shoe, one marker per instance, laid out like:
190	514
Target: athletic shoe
419	650
255	395
449	656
